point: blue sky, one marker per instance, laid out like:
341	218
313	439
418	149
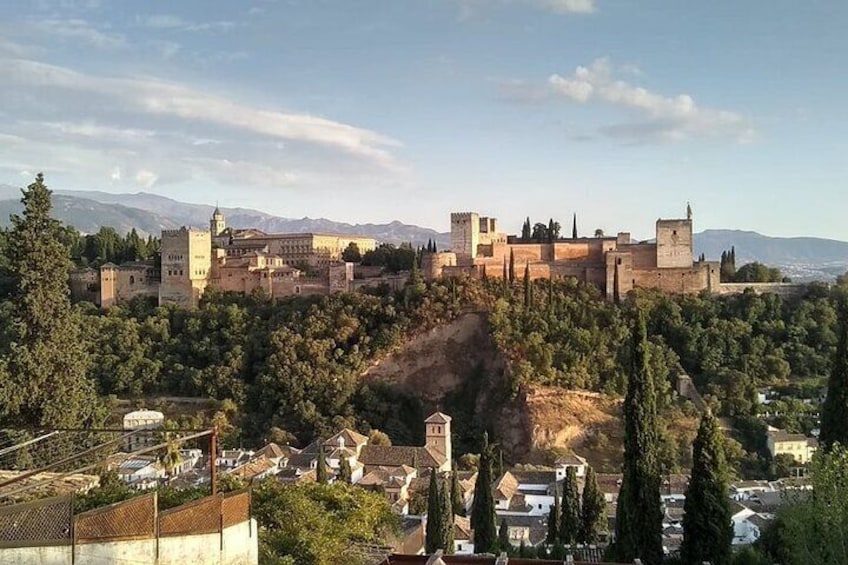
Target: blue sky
355	110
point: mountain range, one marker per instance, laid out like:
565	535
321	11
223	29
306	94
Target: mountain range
801	258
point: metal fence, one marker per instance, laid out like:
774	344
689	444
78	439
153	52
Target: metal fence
131	519
41	522
51	521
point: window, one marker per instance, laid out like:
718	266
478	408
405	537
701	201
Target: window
132	279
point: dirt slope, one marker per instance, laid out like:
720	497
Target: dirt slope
458	364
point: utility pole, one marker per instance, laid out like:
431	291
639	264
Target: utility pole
213	456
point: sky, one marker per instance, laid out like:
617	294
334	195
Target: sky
371	111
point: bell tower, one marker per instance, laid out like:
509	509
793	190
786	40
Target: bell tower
217	225
438	434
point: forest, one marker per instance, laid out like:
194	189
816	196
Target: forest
290	368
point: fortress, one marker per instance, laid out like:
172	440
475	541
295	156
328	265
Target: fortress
193	260
615	264
249	260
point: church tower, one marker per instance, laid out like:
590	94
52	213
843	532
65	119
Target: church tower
217	225
438	434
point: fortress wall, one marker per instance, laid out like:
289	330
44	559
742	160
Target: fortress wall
675	281
135	281
433	264
644	255
781	289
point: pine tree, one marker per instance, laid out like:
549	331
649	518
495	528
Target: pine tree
574	227
47	383
639	514
503	537
433	534
345	473
553	519
321	467
834	417
456	496
447	519
593	515
707	529
511	265
569	522
483	508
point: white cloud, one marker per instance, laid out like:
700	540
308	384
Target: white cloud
169	21
152	97
145	178
665	118
80	30
244	172
566	6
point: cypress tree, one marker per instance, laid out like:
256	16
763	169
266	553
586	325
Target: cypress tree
483	508
503	537
569	523
639	515
456	496
527	291
511	265
522	550
551	230
345	473
446	522
435	247
707	528
526	230
553	519
433	534
321	466
505	270
593	514
834	417
47	383
574	227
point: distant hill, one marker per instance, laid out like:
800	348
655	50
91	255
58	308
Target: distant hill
150	213
802	258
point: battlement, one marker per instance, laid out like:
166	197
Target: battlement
183	231
460	216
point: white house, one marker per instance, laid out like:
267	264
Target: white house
141	472
747	524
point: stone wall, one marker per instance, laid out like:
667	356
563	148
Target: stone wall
781	289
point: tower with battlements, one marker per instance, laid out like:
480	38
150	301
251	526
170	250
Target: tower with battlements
186	265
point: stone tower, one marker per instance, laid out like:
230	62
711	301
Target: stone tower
465	234
186	265
438	434
217	225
